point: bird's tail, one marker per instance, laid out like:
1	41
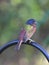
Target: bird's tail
18	46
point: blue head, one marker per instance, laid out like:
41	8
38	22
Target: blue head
31	22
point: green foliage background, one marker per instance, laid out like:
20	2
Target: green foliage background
13	15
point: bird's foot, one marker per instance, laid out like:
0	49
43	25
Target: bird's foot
31	40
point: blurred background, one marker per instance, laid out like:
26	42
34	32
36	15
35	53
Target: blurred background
13	15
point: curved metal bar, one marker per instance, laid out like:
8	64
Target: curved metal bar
39	47
7	45
32	43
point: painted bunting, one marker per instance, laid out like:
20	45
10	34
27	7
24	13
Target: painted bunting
27	32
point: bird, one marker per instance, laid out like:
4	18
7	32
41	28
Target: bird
27	32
